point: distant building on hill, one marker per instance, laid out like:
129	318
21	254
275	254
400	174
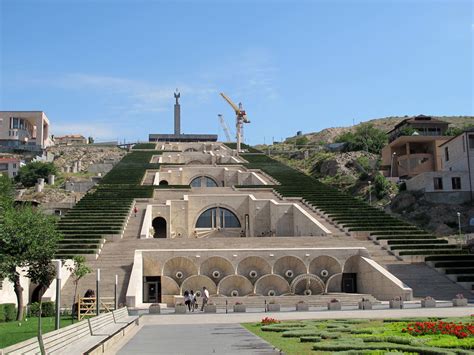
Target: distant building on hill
9	166
414	147
71	139
25	130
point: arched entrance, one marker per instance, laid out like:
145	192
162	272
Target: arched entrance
163	182
159	225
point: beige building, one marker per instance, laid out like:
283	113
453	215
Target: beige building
9	166
454	182
24	130
71	139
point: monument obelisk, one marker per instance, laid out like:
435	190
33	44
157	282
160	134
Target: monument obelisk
177	114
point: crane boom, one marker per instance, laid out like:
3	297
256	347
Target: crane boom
225	127
234	106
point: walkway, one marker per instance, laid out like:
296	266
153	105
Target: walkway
195	339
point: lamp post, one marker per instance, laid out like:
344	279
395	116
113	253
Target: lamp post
115	292
460	232
57	319
97	298
391	163
370	192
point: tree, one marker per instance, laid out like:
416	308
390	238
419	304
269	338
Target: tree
28	241
366	137
78	270
29	174
6	192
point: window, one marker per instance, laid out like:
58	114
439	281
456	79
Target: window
446	153
438	183
217	217
456	183
203	181
471	141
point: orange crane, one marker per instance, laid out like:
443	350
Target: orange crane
240	119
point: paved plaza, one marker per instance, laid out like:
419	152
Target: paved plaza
204	333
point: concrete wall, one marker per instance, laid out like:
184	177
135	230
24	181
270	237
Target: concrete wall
7	293
425	181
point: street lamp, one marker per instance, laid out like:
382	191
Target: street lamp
370	192
97	298
391	163
459	225
57	319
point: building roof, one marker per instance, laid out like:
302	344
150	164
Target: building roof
418	119
9	160
70	136
417	139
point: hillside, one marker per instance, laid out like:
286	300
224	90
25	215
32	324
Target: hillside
328	135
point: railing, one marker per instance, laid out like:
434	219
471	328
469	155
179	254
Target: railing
86	306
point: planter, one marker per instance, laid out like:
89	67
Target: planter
396	304
210	308
240	308
428	303
180	309
334	306
302	307
155	309
460	302
365	305
273	307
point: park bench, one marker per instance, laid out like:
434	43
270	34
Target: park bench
87	336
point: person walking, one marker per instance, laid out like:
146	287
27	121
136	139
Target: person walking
193	300
135	210
205	297
187	300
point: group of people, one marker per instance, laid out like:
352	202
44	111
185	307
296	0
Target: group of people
190	299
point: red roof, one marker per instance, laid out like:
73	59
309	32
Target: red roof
9	160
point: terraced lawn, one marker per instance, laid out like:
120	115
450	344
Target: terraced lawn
362	336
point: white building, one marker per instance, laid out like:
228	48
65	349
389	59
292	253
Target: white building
455	182
24	130
9	167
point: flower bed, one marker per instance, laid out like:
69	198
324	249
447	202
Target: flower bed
459	330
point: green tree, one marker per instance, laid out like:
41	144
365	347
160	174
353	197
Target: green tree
382	186
28	241
366	137
29	174
6	192
78	270
302	140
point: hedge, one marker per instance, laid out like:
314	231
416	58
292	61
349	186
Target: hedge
47	309
7	312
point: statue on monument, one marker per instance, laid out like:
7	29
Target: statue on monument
177	95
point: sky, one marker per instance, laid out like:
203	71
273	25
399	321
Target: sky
108	68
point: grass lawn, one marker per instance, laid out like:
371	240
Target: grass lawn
362	336
14	332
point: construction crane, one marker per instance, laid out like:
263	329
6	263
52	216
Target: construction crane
225	127
240	119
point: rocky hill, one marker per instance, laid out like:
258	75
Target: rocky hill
328	135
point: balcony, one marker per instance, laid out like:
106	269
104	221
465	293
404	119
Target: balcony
414	164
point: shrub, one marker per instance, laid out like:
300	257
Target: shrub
310	339
29	174
268	320
2	313
48	309
10	311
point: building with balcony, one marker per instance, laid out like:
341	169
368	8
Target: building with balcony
421	124
70	139
27	130
454	182
9	167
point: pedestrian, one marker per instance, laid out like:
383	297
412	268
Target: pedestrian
135	210
187	300
205	297
193	300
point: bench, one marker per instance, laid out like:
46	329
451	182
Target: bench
82	337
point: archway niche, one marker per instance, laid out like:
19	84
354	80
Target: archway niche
159	226
163	182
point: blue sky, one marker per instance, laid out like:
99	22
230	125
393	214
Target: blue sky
109	68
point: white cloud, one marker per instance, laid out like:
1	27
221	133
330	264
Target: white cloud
100	131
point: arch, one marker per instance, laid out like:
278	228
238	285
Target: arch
196	283
324	266
235	285
179	268
217	218
308	285
203	181
289	267
334	283
216	268
163	183
169	287
272	285
195	162
190	150
253	267
159	226
352	264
